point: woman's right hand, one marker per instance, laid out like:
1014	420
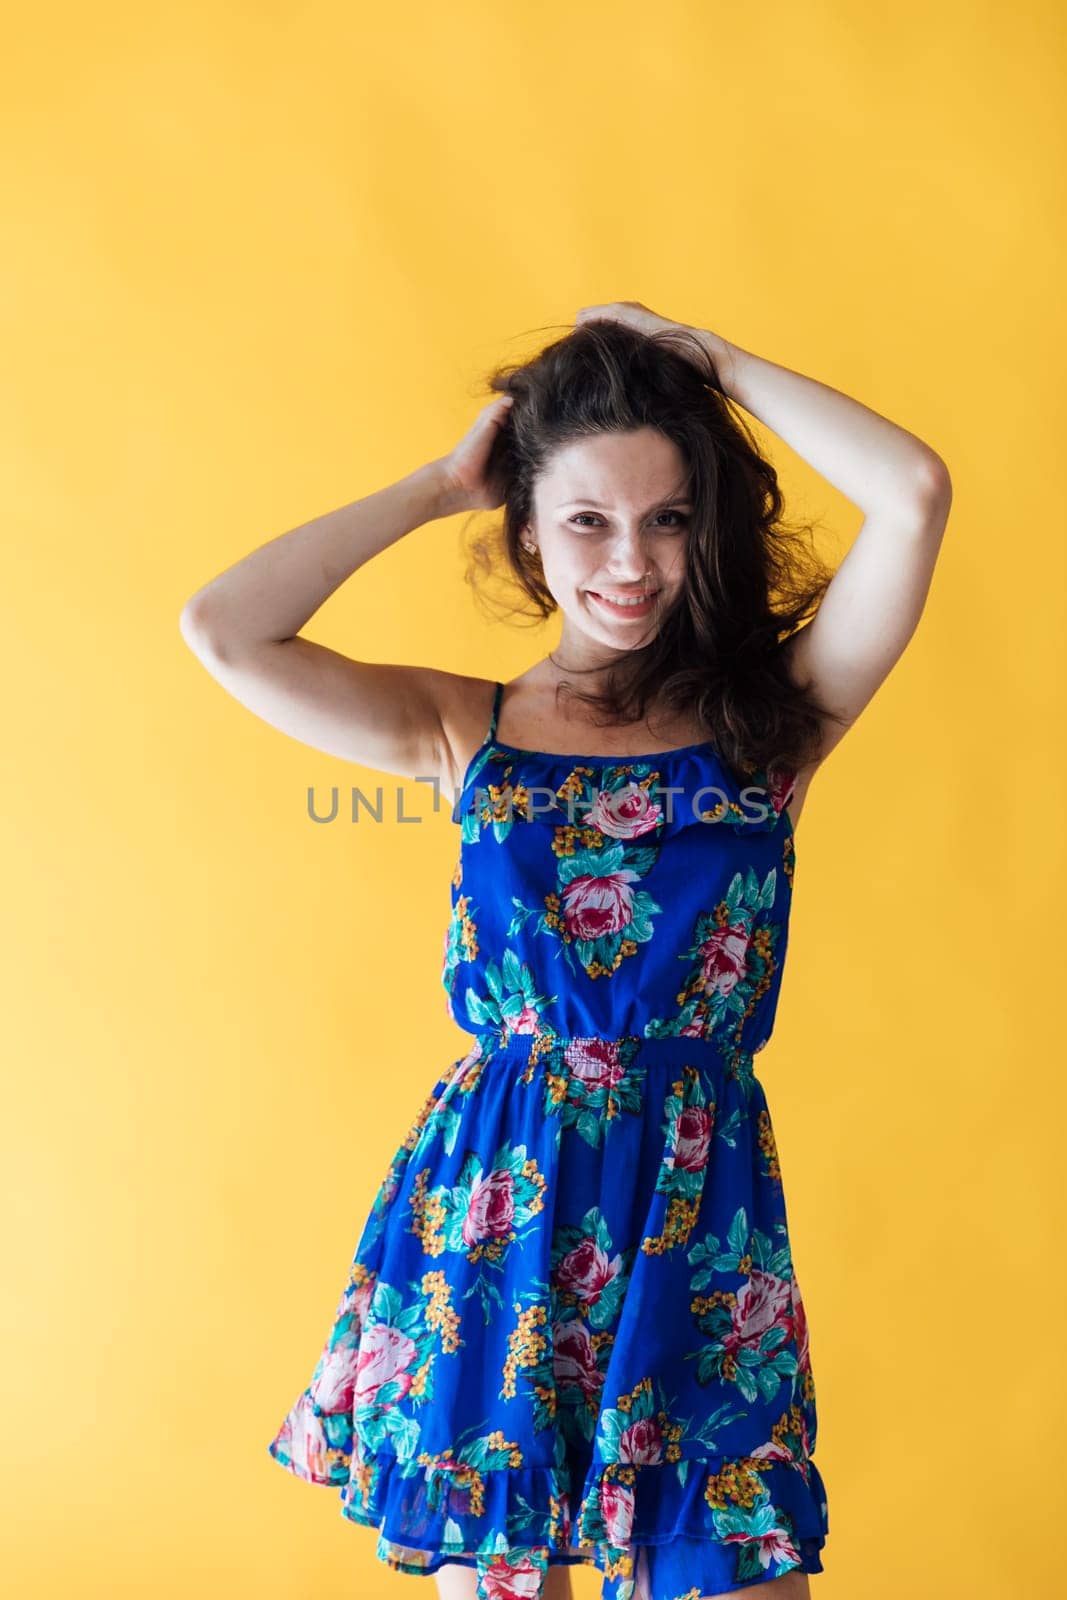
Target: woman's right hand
464	471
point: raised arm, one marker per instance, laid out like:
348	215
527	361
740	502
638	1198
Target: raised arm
244	626
873	604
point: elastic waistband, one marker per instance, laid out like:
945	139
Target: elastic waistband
673	1050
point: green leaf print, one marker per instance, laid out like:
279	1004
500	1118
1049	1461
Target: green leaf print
386	1304
706	1251
480	1011
516	976
722	1417
738	1235
494	982
730	1127
543	922
588	1126
514	1004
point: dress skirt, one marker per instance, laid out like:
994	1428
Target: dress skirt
572	1331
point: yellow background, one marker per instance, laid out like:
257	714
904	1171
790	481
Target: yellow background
256	258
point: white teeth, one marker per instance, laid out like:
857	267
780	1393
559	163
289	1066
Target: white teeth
638	600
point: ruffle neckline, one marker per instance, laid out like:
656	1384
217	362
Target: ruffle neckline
624	797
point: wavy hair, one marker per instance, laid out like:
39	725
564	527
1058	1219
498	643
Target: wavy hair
752	578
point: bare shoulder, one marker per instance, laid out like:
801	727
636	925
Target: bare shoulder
465	705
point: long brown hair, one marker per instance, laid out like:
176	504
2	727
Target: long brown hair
751	577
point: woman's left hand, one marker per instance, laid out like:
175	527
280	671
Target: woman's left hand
635	315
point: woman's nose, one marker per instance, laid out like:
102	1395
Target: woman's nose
629	557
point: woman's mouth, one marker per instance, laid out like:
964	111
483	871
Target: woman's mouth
620	606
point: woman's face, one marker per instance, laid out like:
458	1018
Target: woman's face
628	538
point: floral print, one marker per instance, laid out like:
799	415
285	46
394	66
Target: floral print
572	1329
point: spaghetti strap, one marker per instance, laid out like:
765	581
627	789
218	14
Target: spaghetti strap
497	696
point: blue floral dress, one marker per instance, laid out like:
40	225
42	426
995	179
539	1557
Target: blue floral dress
572	1330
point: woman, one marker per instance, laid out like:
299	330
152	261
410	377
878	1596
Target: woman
572	1329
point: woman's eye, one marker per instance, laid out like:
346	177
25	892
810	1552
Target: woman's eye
678	515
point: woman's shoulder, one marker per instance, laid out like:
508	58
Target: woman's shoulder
466	707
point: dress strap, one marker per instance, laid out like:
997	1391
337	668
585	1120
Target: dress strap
497	697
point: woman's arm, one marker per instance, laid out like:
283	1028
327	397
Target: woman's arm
268	596
875	463
244	626
873	604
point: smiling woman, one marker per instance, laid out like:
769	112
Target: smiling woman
572	1331
637	505
635	601
635	558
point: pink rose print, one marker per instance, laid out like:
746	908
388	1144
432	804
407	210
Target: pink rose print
574	1358
694	1137
781	789
800	1329
505	1581
593	907
304	1441
492	1208
617	1508
333	1388
624	813
524	1022
762	1303
463	1070
723	959
775	1546
385	1354
595	1063
586	1271
641	1442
